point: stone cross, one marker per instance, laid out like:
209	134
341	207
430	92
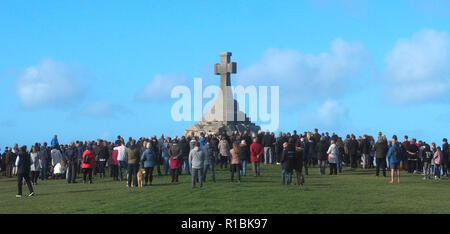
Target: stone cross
224	69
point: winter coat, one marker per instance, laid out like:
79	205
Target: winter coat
209	154
438	157
23	163
256	150
114	155
196	158
56	156
35	162
133	155
224	148
91	163
289	160
148	158
175	151
333	151
381	149
322	150
234	157
244	152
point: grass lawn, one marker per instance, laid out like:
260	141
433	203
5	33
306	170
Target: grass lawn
356	191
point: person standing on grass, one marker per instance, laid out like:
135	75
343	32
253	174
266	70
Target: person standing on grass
333	158
437	157
235	162
256	151
56	161
196	159
244	156
267	144
175	154
148	162
115	162
412	151
88	164
427	158
381	149
445	157
322	154
23	164
35	165
121	159
133	153
224	150
395	157
209	160
288	161
71	158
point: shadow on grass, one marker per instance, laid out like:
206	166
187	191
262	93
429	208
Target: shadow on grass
75	191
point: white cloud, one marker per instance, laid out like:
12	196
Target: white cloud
104	109
418	68
160	87
49	83
329	115
303	76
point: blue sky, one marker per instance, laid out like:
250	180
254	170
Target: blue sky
79	68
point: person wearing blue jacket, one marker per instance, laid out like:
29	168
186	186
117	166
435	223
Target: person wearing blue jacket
54	141
395	157
148	162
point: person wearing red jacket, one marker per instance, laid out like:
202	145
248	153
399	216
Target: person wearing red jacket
115	164
256	150
90	165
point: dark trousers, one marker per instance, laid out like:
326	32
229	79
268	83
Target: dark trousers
87	171
148	173
333	168
174	174
115	172
444	168
235	168
381	163
72	172
34	176
353	160
223	160
132	174
101	168
411	166
20	178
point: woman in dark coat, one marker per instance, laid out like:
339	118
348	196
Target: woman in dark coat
23	164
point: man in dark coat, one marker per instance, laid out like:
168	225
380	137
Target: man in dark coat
71	158
381	149
352	151
23	164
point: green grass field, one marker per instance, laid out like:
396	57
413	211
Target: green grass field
356	191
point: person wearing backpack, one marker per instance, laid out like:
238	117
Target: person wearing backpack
395	157
88	163
427	157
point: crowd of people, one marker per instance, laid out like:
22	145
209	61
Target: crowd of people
199	155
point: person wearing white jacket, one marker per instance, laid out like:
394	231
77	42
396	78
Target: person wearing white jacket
121	159
333	157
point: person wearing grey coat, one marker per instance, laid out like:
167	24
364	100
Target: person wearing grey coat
196	159
333	159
